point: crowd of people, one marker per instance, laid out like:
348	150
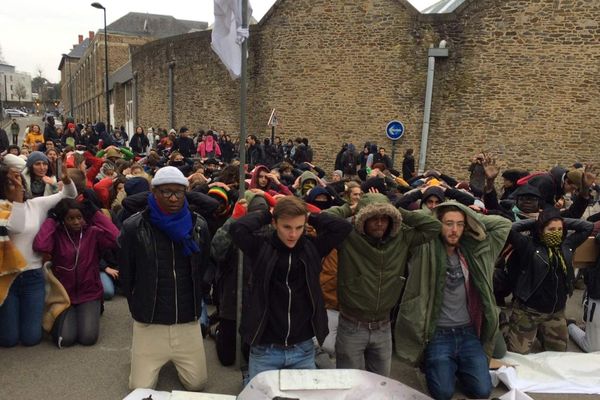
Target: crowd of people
341	269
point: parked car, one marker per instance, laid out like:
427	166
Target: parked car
13	112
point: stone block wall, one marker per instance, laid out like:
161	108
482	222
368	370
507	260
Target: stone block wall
521	79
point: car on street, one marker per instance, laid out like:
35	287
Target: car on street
13	112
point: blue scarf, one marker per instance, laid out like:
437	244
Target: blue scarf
178	226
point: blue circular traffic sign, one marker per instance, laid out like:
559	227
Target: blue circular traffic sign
394	130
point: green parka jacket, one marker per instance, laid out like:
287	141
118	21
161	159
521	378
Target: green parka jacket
480	245
371	272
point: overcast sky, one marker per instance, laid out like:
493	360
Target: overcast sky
34	33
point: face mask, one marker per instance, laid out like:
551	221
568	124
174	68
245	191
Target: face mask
307	186
553	238
323	205
177	163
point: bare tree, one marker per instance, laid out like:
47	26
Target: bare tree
20	91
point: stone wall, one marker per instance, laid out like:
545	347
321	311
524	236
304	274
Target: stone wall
521	79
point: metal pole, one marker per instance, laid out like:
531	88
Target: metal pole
171	100
106	72
426	115
70	91
243	94
393	152
272	135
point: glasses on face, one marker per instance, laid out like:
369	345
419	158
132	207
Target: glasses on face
452	224
168	193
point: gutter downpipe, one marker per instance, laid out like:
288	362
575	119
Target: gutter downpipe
171	99
441	52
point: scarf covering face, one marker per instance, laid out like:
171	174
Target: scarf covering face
553	240
12	261
177	226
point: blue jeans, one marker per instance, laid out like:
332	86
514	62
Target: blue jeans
108	285
21	313
271	357
457	353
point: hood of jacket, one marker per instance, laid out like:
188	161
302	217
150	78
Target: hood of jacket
374	204
255	174
473	227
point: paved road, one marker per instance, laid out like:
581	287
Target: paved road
101	372
23	122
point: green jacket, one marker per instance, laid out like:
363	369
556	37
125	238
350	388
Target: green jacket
419	309
371	272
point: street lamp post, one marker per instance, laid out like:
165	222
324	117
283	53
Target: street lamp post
100	6
70	86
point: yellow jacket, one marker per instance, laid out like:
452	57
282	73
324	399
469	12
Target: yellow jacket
33	137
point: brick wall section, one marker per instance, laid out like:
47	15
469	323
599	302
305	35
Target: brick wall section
521	79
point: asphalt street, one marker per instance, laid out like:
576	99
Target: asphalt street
101	372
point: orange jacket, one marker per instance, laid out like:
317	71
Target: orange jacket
328	280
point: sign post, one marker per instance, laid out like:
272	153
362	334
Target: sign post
273	122
394	130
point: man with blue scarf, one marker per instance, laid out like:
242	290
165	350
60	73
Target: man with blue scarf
162	253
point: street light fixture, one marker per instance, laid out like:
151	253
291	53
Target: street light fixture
68	59
101	7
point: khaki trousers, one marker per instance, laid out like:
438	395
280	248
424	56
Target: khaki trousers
154	345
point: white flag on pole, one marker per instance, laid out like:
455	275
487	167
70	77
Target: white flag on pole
228	34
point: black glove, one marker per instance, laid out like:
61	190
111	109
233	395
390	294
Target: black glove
89	209
52	214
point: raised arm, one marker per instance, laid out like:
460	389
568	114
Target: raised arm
331	231
242	231
44	240
582	230
425	226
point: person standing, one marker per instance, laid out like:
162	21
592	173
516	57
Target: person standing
163	253
408	165
448	319
14	131
371	264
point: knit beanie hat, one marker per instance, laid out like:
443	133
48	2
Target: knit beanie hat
136	185
12	161
433	191
338	173
167	175
219	193
576	176
35	157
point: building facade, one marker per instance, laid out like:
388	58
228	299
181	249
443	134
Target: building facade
83	71
520	79
15	86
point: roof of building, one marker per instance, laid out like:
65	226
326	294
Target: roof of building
443	7
154	25
79	49
122	75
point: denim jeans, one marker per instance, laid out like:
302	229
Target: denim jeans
457	353
108	285
358	347
271	357
21	313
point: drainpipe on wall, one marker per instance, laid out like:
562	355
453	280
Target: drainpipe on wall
135	100
433	52
171	100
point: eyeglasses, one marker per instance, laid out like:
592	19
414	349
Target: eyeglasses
451	224
168	193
